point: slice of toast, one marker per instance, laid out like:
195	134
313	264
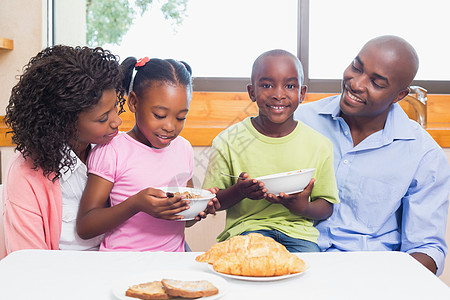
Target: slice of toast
149	291
189	289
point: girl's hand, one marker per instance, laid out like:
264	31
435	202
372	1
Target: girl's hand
212	207
297	203
250	188
157	204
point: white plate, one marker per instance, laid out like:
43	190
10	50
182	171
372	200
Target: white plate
258	278
121	287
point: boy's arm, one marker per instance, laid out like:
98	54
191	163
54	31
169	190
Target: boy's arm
229	197
243	188
299	204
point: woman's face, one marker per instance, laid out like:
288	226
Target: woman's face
160	113
101	123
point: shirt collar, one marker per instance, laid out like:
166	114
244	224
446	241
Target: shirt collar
332	108
398	125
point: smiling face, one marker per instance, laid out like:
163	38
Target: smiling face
100	124
276	88
160	113
378	77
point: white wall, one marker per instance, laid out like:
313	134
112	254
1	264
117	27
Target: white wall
20	21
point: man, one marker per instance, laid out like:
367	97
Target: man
393	178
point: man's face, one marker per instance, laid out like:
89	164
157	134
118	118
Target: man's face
373	82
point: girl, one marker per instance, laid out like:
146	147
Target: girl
151	154
65	100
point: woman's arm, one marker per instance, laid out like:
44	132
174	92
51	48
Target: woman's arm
32	208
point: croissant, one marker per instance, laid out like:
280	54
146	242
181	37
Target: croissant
252	255
243	244
274	265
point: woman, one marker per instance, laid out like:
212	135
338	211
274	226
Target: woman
65	100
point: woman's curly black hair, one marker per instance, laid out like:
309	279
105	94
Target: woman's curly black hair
57	85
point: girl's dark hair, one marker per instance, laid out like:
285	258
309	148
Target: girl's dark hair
156	70
57	85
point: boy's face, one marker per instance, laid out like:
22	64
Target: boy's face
276	88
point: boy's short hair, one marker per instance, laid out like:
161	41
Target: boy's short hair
279	52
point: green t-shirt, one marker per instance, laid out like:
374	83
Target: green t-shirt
241	148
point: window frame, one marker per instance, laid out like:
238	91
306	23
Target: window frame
239	84
221	84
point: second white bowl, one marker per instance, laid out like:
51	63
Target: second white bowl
288	182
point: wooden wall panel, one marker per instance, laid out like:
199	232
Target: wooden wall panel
212	112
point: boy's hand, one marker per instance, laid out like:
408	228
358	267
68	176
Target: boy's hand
250	188
297	203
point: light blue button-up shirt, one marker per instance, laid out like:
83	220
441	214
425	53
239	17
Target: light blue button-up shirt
394	186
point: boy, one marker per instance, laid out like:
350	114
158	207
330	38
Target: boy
273	142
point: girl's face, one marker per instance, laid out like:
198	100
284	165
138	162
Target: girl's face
160	113
101	123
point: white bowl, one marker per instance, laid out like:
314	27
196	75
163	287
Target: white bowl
197	204
288	182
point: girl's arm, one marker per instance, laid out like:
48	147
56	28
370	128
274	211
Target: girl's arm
299	204
95	217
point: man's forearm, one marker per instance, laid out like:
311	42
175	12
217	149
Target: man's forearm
425	260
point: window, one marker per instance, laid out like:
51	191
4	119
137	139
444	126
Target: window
338	29
221	39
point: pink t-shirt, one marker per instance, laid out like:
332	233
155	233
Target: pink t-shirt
132	167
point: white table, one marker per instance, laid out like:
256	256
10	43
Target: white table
40	274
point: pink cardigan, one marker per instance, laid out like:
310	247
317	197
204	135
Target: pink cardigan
32	208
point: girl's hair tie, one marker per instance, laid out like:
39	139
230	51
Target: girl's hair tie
142	62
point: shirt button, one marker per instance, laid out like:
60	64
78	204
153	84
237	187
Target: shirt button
346	162
346	132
